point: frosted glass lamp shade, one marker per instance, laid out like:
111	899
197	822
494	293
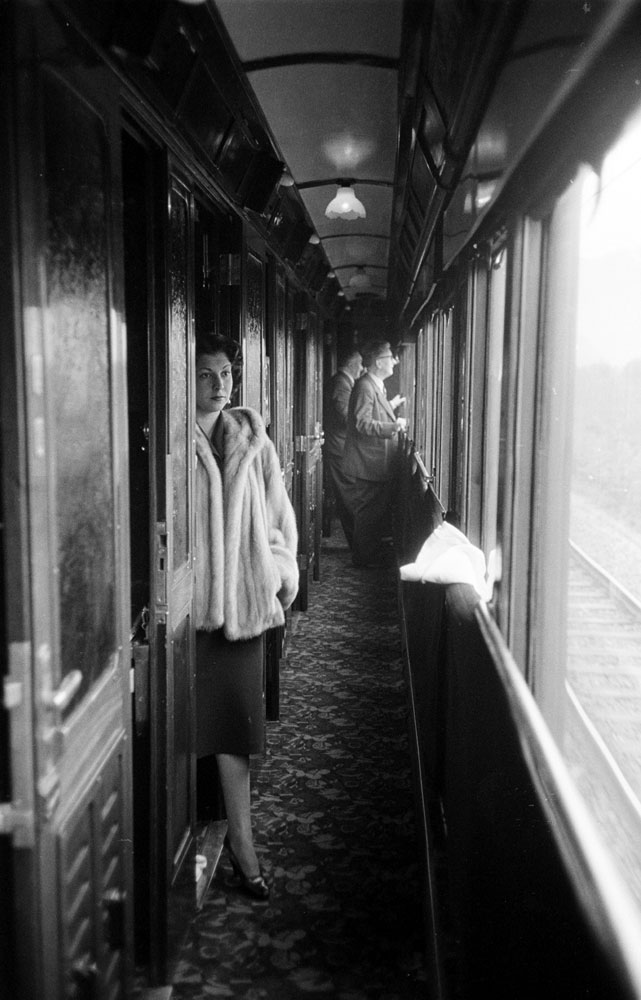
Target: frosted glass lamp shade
345	205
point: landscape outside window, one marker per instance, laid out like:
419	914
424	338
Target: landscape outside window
603	727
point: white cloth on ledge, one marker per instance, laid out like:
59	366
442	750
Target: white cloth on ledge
448	557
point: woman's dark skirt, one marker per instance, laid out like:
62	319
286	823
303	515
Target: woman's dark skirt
229	695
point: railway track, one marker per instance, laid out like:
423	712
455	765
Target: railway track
603	716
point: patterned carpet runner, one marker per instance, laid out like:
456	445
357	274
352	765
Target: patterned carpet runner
334	820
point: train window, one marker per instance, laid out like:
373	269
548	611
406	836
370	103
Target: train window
423	402
434	350
421	393
427	392
474	402
602	729
80	381
443	429
492	409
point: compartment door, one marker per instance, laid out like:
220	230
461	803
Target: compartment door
172	812
65	568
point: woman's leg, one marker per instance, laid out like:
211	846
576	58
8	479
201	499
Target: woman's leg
235	783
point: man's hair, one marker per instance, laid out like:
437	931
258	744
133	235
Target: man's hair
216	343
346	355
373	350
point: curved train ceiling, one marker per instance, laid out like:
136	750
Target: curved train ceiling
326	77
428	108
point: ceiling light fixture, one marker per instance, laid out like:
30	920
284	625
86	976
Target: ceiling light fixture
345	205
359	279
314	239
286	179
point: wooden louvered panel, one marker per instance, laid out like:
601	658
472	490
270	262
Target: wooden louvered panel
93	890
76	895
109	834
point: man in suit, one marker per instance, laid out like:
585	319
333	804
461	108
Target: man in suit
337	393
370	457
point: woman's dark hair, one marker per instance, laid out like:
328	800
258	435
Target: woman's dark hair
215	343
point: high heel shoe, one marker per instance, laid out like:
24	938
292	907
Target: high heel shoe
256	885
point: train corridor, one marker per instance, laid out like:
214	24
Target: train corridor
333	818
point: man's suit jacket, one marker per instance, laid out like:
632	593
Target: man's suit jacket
371	446
337	394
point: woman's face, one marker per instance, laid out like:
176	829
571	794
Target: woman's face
214	382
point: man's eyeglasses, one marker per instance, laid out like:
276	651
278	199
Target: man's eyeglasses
393	356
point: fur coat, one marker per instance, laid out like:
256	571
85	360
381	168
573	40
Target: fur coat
246	567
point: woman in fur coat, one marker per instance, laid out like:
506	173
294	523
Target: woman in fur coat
246	577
